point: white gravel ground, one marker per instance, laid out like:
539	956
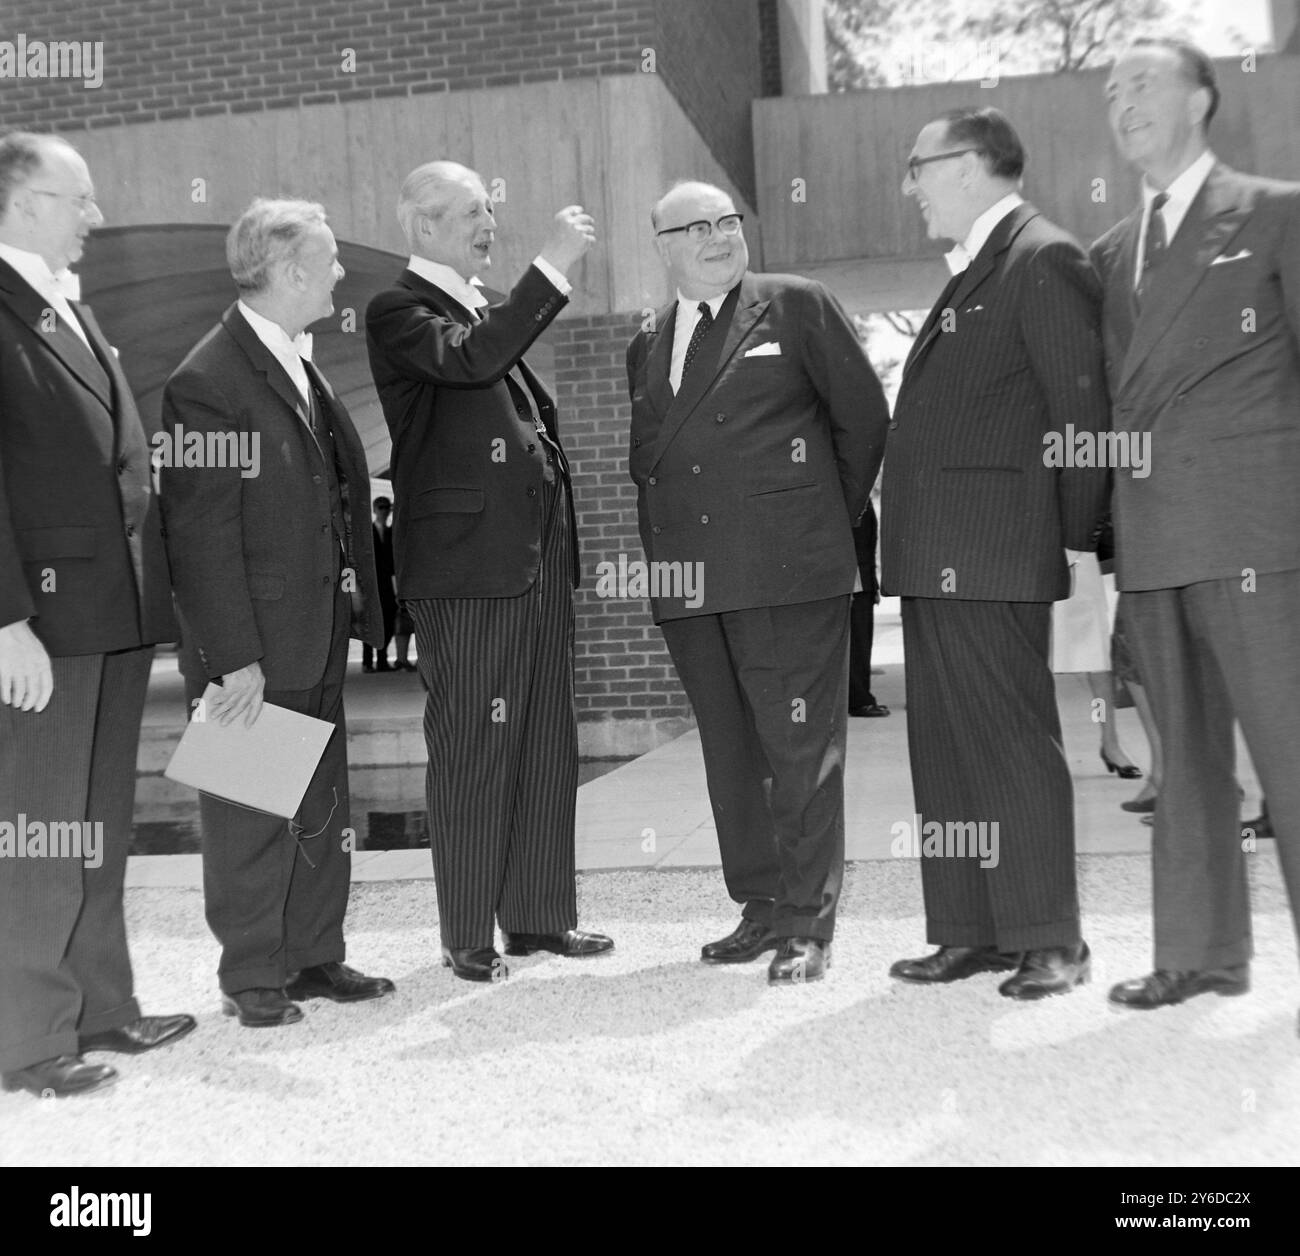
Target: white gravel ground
646	1056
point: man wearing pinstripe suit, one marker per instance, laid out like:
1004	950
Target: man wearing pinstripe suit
83	599
486	554
975	522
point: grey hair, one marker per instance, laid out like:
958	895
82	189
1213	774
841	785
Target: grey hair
266	234
426	190
22	154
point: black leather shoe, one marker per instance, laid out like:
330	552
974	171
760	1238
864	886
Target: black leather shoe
261	1008
748	940
955	963
798	960
338	982
66	1075
476	963
573	943
1262	824
382	666
140	1035
872	710
1049	970
1165	986
1141	806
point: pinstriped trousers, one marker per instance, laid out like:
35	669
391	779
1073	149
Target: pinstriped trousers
502	739
984	739
64	966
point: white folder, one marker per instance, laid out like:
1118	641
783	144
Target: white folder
267	767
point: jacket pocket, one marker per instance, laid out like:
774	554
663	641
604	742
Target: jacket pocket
437	501
38	544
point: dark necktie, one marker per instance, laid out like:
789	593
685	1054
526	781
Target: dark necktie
697	337
1153	252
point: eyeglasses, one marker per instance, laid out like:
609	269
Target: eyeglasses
914	164
697	232
84	201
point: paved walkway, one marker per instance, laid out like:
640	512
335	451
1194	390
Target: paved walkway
653	812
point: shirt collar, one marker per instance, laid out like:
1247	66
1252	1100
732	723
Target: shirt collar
36	271
1182	191
467	291
274	337
688	305
964	253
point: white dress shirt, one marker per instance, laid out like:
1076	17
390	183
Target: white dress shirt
55	289
469	292
961	255
688	314
288	350
1181	192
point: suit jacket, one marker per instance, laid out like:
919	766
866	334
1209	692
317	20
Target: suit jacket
1210	369
467	464
970	507
81	550
761	463
254	560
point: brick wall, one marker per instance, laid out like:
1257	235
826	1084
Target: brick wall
710	61
624	671
188	58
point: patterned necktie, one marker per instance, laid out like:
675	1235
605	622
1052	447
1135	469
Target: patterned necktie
1153	252
697	336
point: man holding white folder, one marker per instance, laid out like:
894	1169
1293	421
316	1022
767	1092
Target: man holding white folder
273	567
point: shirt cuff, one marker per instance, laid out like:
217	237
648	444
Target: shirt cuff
560	282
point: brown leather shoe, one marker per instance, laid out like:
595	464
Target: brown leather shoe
1049	970
57	1078
261	1008
799	960
747	941
954	963
1166	987
143	1034
572	943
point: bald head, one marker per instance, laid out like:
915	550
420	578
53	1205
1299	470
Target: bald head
47	201
714	263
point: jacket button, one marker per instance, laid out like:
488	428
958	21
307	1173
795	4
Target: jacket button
893	423
652	480
532	492
324	579
695	470
656	529
122	465
130	529
315	479
704	518
636	442
531	448
719	418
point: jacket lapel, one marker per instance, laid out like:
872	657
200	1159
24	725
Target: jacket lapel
61	340
659	360
738	314
1216	214
266	363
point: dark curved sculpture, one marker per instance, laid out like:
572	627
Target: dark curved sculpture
156	289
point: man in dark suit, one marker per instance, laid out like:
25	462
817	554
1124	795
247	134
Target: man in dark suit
1202	328
757	430
273	565
83	599
976	513
487	560
387	597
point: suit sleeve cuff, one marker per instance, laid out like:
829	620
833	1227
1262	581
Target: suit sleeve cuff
561	283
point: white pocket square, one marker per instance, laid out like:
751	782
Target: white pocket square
772	349
1222	259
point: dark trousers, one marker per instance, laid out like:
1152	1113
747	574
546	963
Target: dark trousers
64	965
862	614
502	780
769	687
984	738
1208	653
275	898
387	608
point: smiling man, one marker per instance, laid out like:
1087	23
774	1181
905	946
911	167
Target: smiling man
273	573
487	559
757	430
83	599
974	525
1202	328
